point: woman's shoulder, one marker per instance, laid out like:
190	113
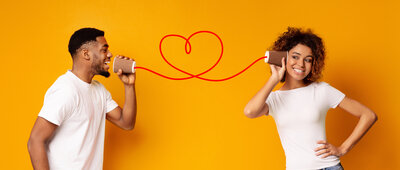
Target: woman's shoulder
320	84
324	87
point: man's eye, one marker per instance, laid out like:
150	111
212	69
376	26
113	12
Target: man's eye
295	57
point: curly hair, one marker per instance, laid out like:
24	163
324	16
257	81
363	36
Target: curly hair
294	36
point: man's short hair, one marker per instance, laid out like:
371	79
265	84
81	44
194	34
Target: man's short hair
81	37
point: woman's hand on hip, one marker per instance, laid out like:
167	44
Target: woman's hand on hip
326	149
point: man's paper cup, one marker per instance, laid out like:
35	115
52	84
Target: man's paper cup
127	66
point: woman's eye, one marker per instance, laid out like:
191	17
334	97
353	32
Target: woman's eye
308	60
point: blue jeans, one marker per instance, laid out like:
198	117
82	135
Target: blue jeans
336	167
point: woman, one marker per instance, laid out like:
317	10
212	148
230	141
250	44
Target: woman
299	107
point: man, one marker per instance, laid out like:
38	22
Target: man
69	131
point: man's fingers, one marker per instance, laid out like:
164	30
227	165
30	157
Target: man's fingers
123	57
119	73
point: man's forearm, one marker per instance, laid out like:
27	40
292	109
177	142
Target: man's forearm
129	109
38	154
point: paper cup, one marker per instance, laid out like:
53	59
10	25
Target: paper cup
127	66
275	57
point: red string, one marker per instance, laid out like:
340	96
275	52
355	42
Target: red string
188	49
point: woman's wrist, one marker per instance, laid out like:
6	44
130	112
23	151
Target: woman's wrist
274	79
344	148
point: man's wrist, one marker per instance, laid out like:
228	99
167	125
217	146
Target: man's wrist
129	86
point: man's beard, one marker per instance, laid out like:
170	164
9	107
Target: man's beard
99	70
106	74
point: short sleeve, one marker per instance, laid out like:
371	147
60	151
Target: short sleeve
332	96
271	103
58	105
111	104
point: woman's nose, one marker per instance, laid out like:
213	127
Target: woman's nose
300	63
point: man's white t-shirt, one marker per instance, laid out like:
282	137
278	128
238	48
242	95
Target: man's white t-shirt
299	115
78	109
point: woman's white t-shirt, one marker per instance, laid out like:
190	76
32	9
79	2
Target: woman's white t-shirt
299	115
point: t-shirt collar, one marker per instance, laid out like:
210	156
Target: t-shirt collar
83	83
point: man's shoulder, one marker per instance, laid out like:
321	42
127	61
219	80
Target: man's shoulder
98	85
62	84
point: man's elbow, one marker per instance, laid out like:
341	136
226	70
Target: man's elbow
29	145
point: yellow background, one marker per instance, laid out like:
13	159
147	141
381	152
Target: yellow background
195	124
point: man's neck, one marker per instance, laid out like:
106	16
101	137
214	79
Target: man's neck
82	73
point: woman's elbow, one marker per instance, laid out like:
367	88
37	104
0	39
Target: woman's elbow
373	117
250	114
129	127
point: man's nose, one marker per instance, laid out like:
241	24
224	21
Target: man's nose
109	54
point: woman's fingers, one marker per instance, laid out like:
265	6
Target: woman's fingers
324	151
326	155
321	148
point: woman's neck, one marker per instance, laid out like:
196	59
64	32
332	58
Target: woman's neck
292	84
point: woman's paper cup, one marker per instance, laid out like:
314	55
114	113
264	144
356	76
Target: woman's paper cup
275	57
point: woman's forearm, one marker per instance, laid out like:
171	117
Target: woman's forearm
256	105
364	124
366	119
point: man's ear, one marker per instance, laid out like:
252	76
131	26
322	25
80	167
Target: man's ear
85	54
